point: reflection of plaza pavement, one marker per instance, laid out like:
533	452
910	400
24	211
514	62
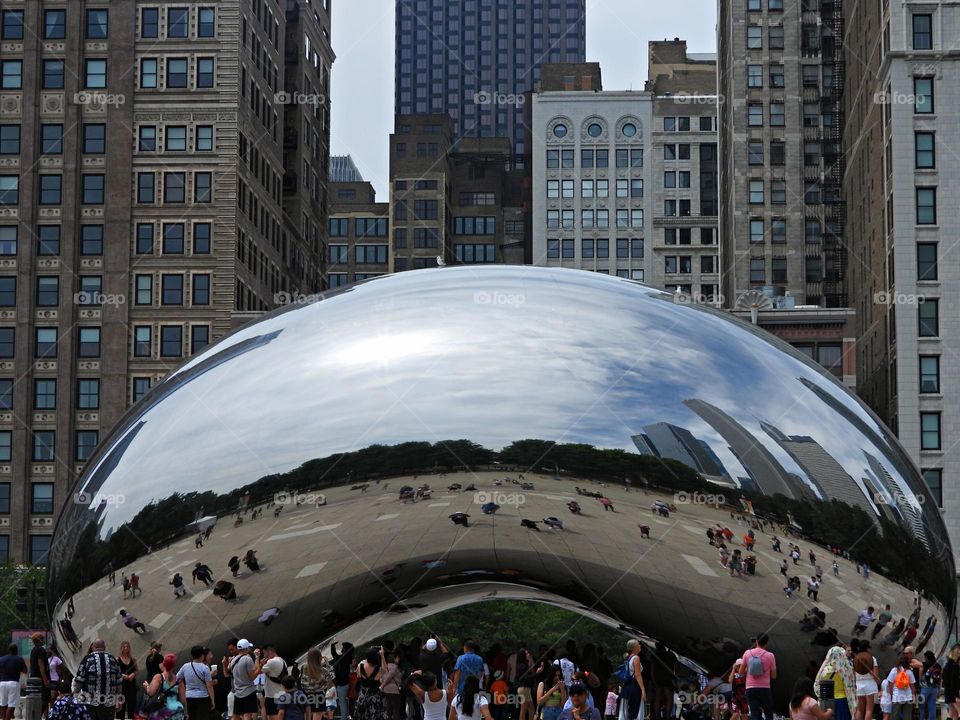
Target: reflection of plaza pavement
369	548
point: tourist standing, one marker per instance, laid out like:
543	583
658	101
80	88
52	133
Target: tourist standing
197	681
838	669
12	666
901	684
470	704
761	669
633	693
950	678
868	681
98	679
128	682
929	686
551	692
342	667
470	663
371	704
244	669
164	685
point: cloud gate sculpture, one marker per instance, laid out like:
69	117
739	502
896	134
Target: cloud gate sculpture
451	435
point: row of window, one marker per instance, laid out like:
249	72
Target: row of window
178	22
364	254
45	394
683	236
53	74
175	138
93	139
624	188
177	73
565	248
336	280
171	341
778	230
96	23
473	253
174	187
778	267
91	290
594	219
682	124
595	158
776	77
43	443
683	264
757	5
363	227
466	225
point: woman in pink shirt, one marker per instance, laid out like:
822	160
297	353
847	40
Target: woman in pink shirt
803	704
760	666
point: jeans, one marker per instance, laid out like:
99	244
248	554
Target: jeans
552	712
928	703
760	702
343	704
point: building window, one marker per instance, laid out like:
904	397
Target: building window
48	240
52	75
6	394
201	288
48	291
926	206
934	479
926	261
39	549
178	22
51	138
97	24
149	72
755	114
143	290
174	187
758	273
9	190
9	139
45	394
43	446
11	74
755	152
201	238
778	192
206	22
203	187
142	341
371	254
756	191
88	394
754	37
86	443
777	114
171	341
776	76
146	187
779	270
173	238
756	230
12	25
775	37
929	314
175	138
91	239
50	189
94	138
930	431
6	454
924	150
923	97
95	74
89	346
41	498
754	76
92	189
176	72
8	293
8	239
778	230
205	72
204	138
171	289
147	138
929	373
54	24
150	22
141	385
199	338
922	31
144	238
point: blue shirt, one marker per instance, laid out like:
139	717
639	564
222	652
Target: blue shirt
569	703
293	703
468	664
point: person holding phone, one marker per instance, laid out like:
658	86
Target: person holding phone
551	692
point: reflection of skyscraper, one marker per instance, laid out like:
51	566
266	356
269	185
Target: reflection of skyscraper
765	470
826	474
677	443
899	501
643	444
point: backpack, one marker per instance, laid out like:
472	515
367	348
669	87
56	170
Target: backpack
624	673
902	680
284	674
755	665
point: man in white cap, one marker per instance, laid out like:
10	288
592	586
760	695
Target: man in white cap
244	669
434	657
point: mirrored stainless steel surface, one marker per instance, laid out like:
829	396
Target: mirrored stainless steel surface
511	392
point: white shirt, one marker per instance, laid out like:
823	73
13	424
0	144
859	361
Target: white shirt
478	702
434	710
866	617
568	669
273	667
901	696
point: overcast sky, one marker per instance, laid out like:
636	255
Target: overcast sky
617	36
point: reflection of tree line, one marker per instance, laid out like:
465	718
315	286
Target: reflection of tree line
889	548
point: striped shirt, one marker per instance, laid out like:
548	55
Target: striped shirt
98	678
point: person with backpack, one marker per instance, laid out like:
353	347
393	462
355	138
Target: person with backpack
901	683
165	697
197	681
761	666
929	686
633	690
803	702
274	671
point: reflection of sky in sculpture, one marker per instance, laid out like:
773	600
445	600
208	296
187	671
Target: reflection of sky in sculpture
558	355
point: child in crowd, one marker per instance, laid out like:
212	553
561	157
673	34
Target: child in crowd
886	701
610	707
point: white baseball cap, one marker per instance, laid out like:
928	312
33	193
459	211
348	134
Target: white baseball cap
431	644
244	644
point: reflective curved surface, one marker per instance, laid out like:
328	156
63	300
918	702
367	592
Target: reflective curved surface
589	428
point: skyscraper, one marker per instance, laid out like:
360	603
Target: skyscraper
781	75
475	59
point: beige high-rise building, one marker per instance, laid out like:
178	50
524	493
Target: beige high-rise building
163	172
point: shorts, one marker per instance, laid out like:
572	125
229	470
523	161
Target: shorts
9	694
866	686
245	705
886	707
525	694
271	706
